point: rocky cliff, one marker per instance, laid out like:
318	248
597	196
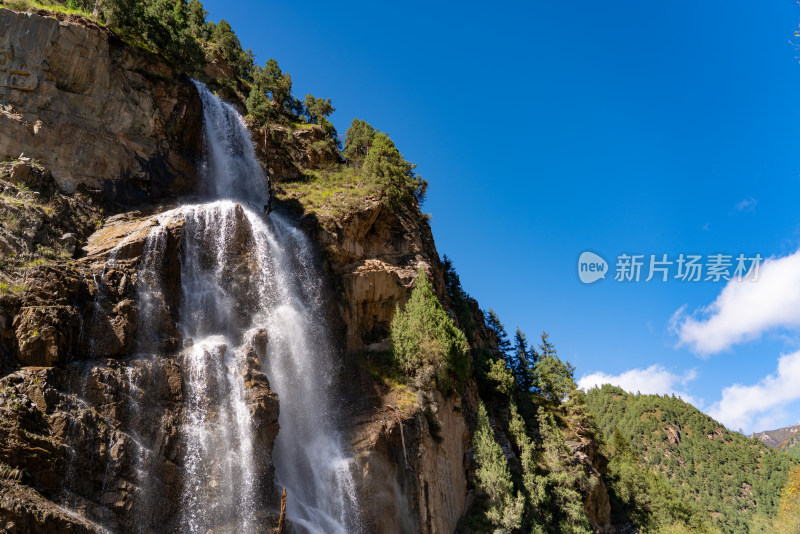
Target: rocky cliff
110	136
94	111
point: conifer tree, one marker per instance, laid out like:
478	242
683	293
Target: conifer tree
495	325
357	141
458	296
385	164
317	109
494	477
520	363
426	343
555	378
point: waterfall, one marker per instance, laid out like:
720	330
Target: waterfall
246	275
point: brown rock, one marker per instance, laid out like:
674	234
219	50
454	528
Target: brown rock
376	255
94	111
45	334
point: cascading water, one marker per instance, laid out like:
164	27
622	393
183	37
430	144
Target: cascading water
245	276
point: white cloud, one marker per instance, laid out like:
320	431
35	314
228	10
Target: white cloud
744	309
761	406
656	379
748	204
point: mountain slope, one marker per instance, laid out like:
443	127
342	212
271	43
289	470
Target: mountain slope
736	480
785	439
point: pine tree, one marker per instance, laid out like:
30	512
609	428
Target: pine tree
385	164
317	109
426	343
519	361
555	378
357	141
533	360
495	325
545	347
458	297
564	481
494	477
277	85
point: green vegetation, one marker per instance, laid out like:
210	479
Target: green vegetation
357	142
427	345
393	174
270	98
792	448
34	263
733	479
53	6
15	289
645	498
10	473
505	507
553	485
458	299
375	169
317	111
790	441
333	191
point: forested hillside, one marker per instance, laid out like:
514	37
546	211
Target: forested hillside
734	480
786	439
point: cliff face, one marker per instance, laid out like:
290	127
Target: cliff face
412	448
81	415
94	111
77	435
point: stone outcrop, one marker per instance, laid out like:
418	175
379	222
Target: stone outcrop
597	505
289	151
375	256
94	111
36	221
412	456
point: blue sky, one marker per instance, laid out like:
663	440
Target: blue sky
551	128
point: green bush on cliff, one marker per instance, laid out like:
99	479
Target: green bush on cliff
427	345
376	158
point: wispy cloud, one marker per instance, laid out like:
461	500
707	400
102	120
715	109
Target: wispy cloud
761	406
655	379
744	310
748	204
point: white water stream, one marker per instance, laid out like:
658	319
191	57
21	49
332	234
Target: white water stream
244	273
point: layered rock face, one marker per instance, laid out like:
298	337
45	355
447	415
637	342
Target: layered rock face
97	429
413	461
375	255
94	111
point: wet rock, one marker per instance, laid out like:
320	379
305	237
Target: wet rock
24	511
